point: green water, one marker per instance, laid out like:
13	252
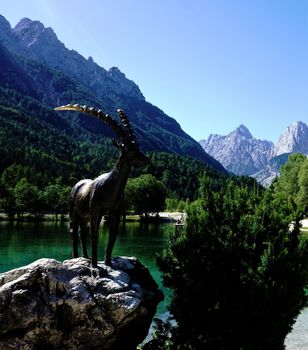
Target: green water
22	243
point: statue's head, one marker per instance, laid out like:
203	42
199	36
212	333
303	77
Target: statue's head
126	140
135	157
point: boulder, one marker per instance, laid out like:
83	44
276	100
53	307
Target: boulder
71	305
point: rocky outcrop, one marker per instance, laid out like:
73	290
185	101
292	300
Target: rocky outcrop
265	176
53	305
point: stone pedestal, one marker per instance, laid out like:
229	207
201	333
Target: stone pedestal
71	305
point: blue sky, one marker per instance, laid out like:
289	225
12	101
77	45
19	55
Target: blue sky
210	64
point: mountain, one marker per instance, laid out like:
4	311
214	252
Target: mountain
239	152
41	68
293	139
267	175
12	74
40	44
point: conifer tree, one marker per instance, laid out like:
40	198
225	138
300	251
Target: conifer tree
237	272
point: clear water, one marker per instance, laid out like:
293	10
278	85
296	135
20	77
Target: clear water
23	243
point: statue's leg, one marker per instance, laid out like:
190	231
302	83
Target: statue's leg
84	231
113	232
73	230
94	225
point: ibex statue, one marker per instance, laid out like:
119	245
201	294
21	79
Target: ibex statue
90	200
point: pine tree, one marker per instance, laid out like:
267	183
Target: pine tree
237	272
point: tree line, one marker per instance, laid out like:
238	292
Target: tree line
38	154
44	148
38	186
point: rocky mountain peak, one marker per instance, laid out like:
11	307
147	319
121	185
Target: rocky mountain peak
239	152
300	124
33	32
27	24
115	71
243	131
126	85
293	139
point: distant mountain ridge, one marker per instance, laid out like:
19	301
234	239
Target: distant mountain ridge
242	154
239	151
43	68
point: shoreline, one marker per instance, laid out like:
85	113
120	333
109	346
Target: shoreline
51	217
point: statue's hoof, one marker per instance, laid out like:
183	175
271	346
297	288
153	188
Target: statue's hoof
93	263
108	262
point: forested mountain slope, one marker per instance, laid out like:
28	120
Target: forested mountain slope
36	64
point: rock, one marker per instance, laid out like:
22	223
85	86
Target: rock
71	305
265	176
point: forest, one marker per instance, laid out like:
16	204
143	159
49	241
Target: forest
44	153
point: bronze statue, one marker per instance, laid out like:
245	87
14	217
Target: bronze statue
90	200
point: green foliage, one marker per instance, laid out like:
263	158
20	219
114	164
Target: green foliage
236	270
50	153
44	145
293	181
41	145
55	197
173	204
26	197
145	195
288	180
42	153
302	196
180	175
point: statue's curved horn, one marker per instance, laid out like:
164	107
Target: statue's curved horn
69	108
106	118
127	126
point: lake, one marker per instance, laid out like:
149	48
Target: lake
22	243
